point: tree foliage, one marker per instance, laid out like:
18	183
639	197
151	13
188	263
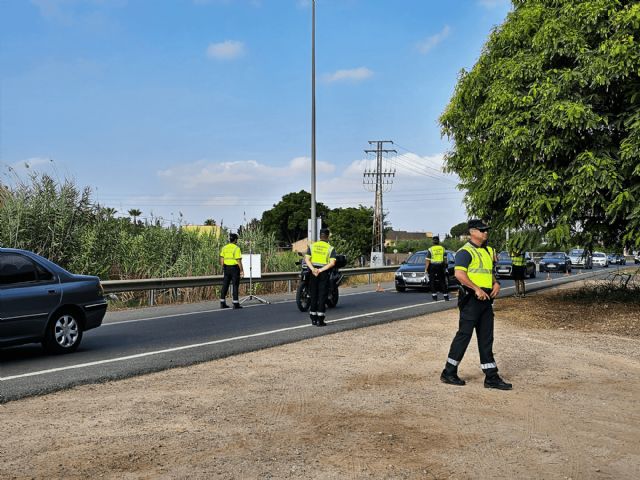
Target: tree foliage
459	229
546	126
287	220
354	225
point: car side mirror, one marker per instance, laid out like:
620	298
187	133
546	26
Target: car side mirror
404	262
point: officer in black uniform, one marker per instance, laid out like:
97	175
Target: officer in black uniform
320	258
436	267
231	263
474	271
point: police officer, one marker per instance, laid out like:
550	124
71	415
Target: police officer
231	263
518	268
320	258
474	271
436	268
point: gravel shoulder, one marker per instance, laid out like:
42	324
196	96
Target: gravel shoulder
360	404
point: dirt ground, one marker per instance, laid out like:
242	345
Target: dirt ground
361	404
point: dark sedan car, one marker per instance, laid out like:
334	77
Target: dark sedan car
504	266
42	302
555	262
411	273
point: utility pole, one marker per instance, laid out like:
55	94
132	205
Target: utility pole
314	233
379	180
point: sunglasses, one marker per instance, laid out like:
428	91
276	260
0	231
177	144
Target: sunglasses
482	230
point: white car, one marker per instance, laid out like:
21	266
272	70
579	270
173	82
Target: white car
580	258
600	259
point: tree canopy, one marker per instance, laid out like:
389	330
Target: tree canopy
546	126
288	218
354	224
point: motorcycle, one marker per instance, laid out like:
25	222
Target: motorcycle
303	299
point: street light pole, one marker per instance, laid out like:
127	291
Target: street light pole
314	233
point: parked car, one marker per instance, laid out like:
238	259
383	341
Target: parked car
616	259
636	259
600	259
503	267
42	302
555	262
411	273
580	258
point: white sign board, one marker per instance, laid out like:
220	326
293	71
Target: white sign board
251	265
377	259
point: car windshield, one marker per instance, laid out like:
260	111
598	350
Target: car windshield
417	259
504	256
598	255
553	255
576	252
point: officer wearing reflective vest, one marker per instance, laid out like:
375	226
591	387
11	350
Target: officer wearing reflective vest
231	262
518	267
320	258
436	269
474	271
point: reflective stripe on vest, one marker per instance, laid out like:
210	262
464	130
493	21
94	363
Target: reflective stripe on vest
517	260
320	252
231	254
437	254
480	269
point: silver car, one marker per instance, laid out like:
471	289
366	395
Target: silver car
42	302
580	258
600	259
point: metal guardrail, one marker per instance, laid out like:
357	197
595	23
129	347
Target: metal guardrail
117	286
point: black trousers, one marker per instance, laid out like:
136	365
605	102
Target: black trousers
318	291
478	315
231	275
438	278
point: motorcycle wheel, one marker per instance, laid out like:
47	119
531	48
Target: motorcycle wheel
332	299
302	297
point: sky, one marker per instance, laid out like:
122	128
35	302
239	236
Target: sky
197	109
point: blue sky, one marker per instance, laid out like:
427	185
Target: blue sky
202	107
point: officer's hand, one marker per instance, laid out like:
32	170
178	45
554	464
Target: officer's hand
481	294
241	274
495	290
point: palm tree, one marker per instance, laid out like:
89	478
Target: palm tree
210	222
135	213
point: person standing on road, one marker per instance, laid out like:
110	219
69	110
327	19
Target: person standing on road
518	270
320	258
231	263
436	268
478	288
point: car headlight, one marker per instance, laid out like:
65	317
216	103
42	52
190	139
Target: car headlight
398	274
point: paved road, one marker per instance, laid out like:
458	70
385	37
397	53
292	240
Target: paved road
146	340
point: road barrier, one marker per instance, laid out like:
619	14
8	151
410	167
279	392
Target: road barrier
117	286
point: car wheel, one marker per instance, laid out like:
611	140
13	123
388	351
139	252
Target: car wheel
332	300
533	273
400	289
303	301
63	334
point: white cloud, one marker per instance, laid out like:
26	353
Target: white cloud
353	75
227	50
426	45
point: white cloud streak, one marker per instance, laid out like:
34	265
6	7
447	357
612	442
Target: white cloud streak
429	43
353	75
227	50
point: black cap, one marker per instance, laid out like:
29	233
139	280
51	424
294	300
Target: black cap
324	231
477	223
436	239
233	237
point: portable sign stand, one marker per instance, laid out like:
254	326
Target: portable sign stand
247	265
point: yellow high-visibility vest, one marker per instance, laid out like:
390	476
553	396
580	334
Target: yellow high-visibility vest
517	260
231	254
320	253
480	270
437	254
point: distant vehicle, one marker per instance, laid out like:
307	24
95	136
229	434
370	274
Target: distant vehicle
42	302
636	259
600	259
616	259
555	262
580	258
504	266
411	273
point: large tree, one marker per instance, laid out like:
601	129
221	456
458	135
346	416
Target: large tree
546	126
353	224
288	218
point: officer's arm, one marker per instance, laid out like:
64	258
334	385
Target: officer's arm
331	264
307	260
221	261
239	260
496	287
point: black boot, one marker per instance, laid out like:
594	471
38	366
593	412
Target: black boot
236	306
314	319
494	381
224	305
450	376
446	297
320	322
